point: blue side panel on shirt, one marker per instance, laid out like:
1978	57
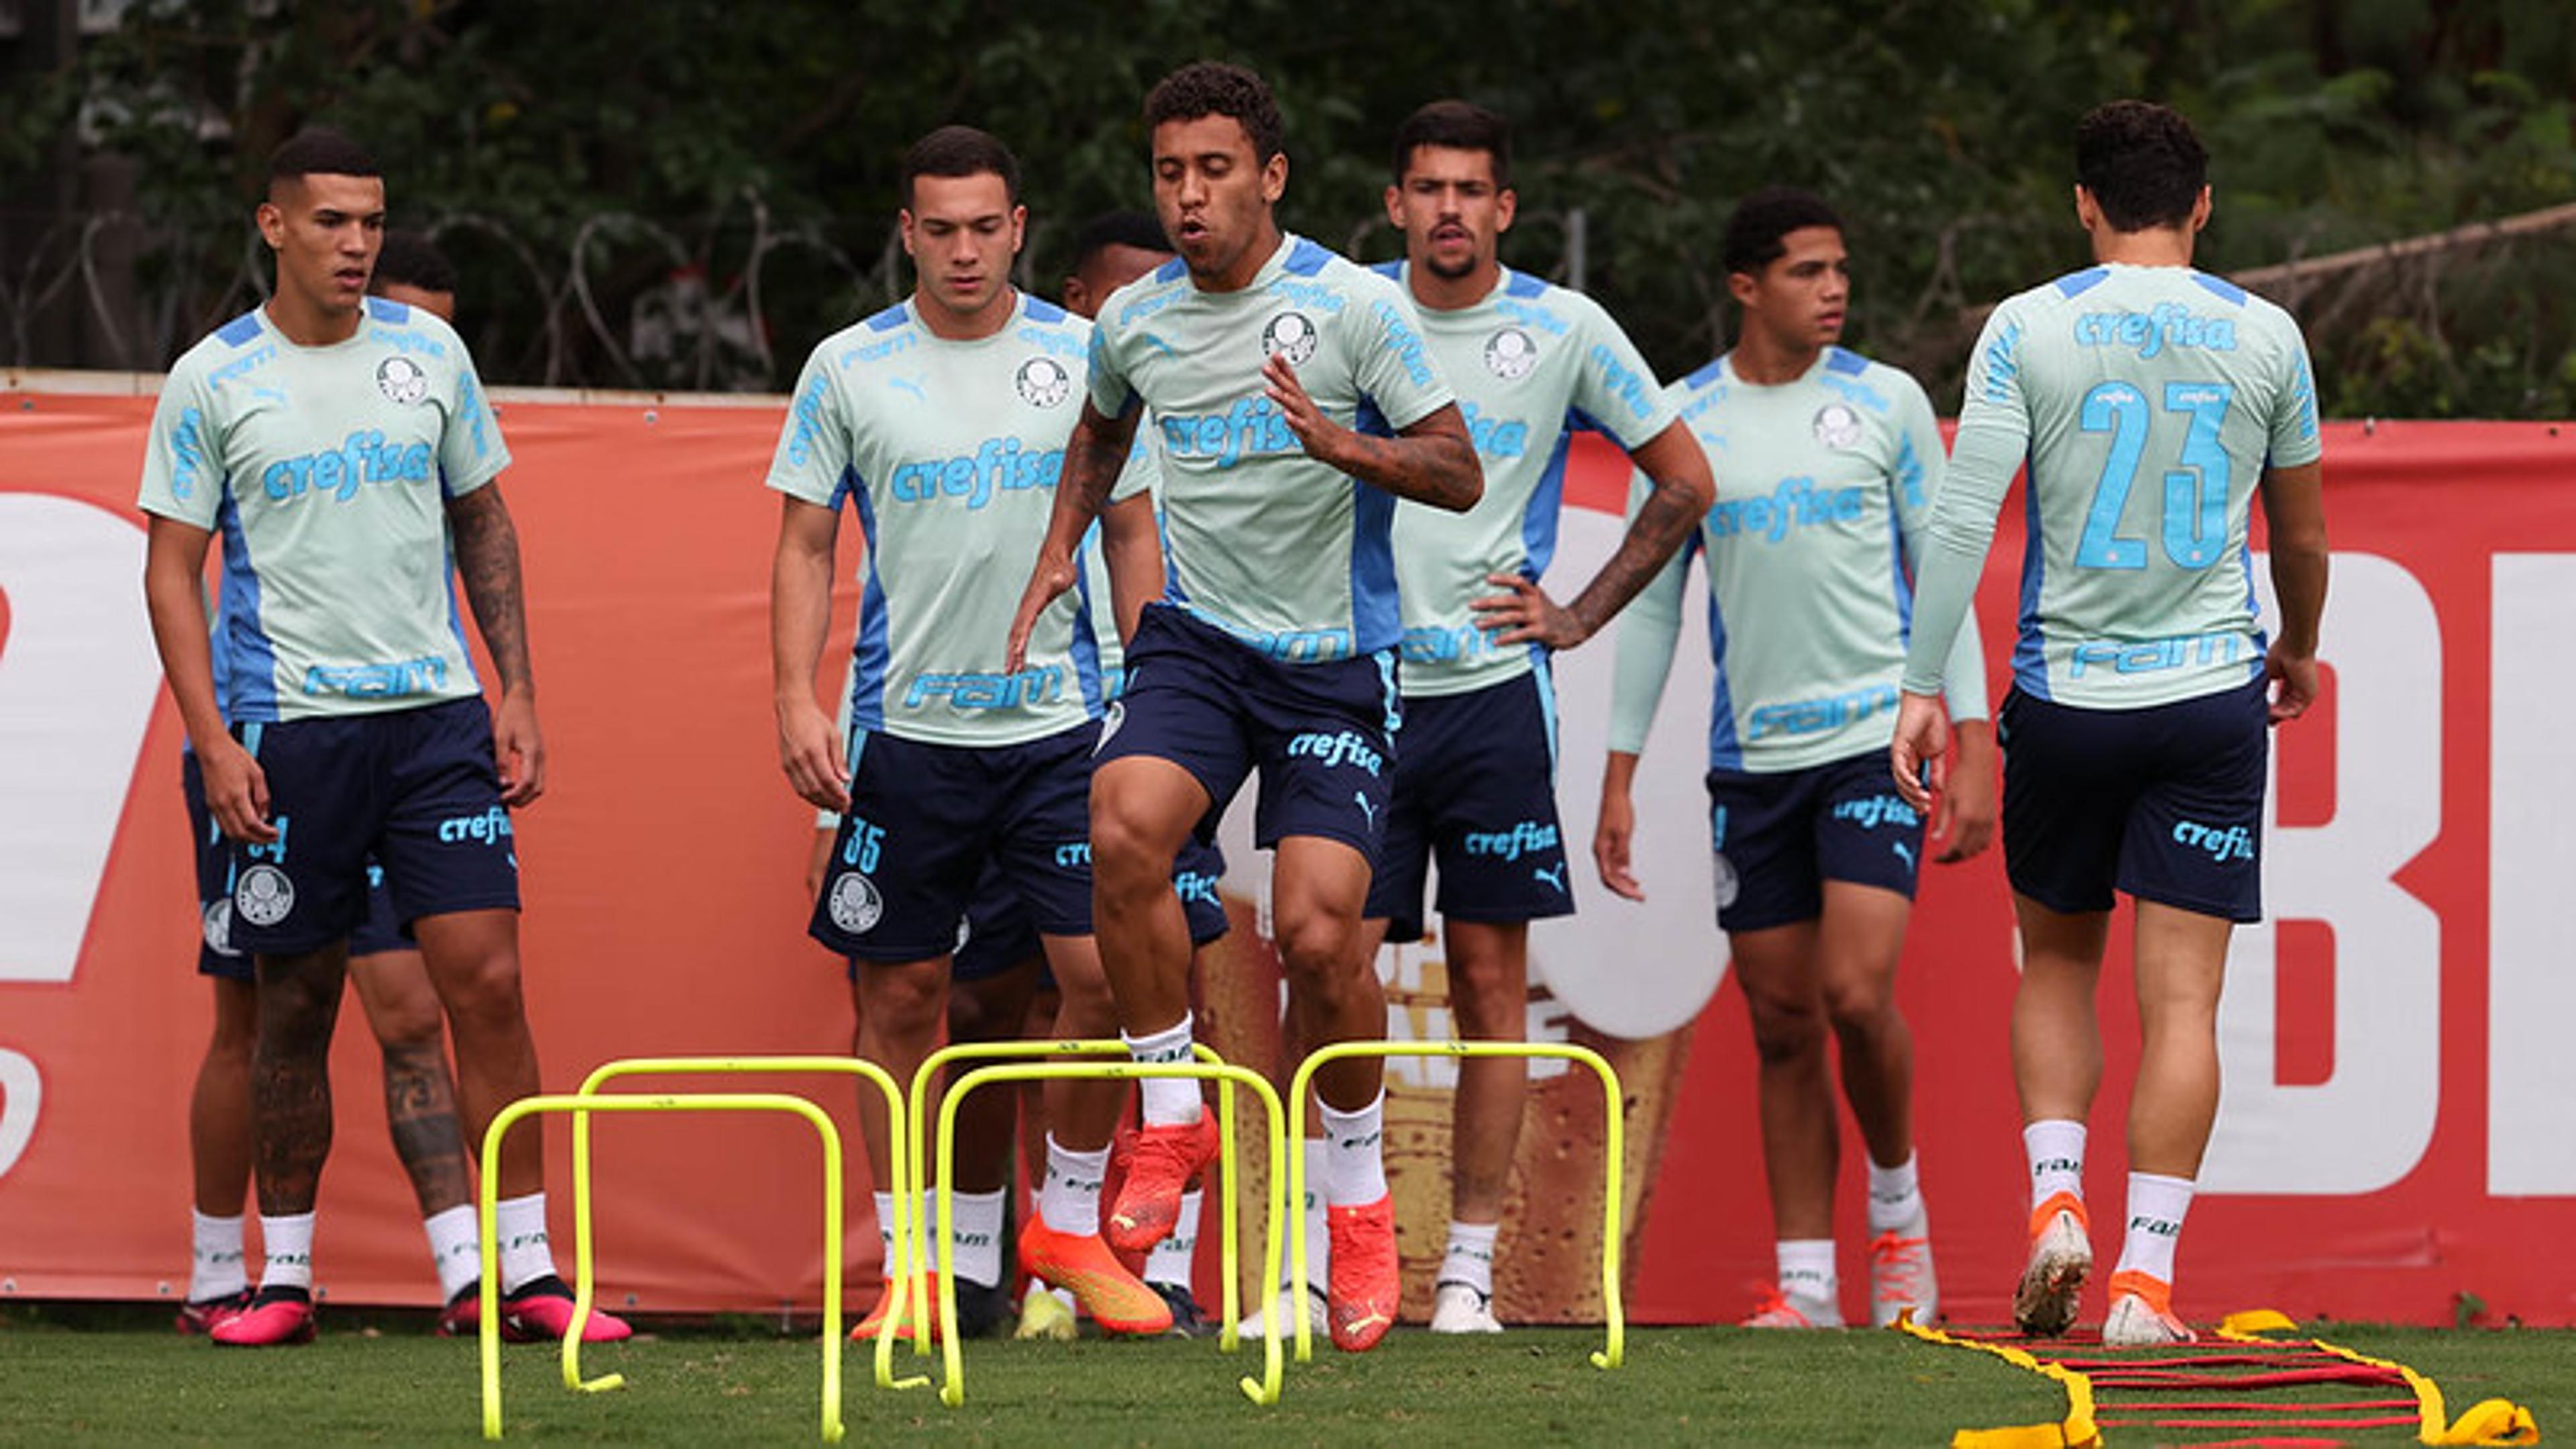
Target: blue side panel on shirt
2030	651
1546	504
1896	575
252	669
1725	751
1171	271
889	319
240	331
385	309
1086	640
1306	258
1849	364
456	620
1707	374
1393	271
1377	616
1521	284
2076	284
871	650
1040	309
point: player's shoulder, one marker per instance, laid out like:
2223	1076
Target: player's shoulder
226	345
1847	370
1052	330
2257	313
1140	299
873	338
416	333
1310	263
1702	388
1037	314
1525	294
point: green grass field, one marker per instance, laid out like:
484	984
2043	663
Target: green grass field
100	1375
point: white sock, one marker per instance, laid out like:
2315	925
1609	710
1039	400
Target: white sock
288	1243
455	1248
1172	1259
2056	1150
1895	1196
1354	1172
1807	1273
976	1245
885	1228
1470	1257
1166	1101
215	1267
1070	1201
925	1225
2156	1209
1319	1237
525	1254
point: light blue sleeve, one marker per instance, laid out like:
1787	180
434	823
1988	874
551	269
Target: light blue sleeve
1393	368
183	457
1111	393
1648	629
2294	440
813	454
470	450
1994	434
1615	386
1919	468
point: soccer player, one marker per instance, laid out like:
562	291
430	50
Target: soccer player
393	985
1826	466
1475	778
999	987
1295	404
943	420
341	445
2152	402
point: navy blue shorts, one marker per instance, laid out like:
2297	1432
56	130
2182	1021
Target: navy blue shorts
924	821
2165	803
378	932
1475	793
1778	837
414	791
997	935
1322	735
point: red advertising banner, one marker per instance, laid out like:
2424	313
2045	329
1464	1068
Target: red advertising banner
2399	1119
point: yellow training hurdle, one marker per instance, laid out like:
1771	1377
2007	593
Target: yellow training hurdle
487	1195
904	1229
917	1266
952	1389
1612	1148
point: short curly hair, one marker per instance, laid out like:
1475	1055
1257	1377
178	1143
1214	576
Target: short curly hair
2142	162
1214	88
1757	232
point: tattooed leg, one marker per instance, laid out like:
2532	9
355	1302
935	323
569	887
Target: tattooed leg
420	1094
474	962
299	1000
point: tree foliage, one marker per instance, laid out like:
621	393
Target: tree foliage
691	193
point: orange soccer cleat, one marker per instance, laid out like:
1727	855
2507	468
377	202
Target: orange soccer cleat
1158	1171
1365	1287
1083	1266
2061	1255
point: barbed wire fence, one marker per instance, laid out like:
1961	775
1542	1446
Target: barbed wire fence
620	299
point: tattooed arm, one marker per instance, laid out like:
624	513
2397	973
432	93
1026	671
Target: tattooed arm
1092	459
487	563
1433	461
1682	490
